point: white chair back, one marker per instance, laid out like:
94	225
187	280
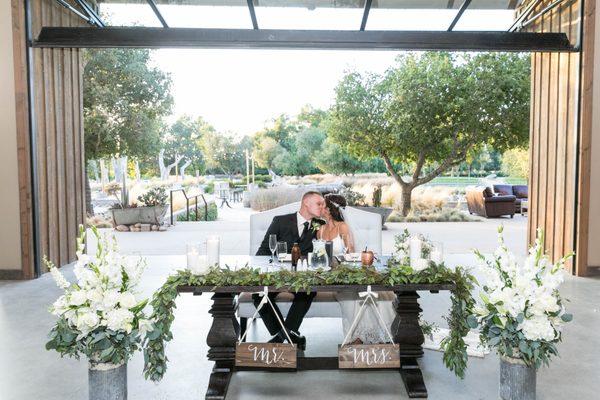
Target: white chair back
366	226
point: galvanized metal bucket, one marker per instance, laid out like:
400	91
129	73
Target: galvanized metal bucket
107	381
517	380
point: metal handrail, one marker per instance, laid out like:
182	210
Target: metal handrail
187	204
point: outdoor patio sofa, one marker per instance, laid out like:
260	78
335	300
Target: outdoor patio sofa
482	201
367	232
521	192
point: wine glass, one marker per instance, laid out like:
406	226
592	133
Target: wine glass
345	247
281	252
272	245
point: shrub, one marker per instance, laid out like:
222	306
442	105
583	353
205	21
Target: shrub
213	213
209	188
99	222
267	199
156	196
438	215
353	198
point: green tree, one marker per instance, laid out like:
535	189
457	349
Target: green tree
515	163
184	139
222	154
282	130
124	101
431	110
300	160
333	159
265	151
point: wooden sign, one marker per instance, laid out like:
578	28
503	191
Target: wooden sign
369	356
265	355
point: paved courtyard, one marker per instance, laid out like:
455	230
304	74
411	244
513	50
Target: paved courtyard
233	227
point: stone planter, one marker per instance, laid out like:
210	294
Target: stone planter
107	381
517	380
383	211
144	215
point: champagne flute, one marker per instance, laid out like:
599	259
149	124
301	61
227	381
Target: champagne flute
272	245
281	252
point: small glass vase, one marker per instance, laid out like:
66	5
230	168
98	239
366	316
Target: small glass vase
318	257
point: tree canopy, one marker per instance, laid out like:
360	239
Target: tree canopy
124	101
431	110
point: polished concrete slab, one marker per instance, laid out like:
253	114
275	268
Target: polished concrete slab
28	371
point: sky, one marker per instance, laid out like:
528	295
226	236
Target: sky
239	91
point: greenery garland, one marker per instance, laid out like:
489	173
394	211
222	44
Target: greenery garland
455	349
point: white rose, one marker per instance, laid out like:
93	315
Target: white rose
127	300
111	298
95	296
89	319
119	319
83	259
77	297
544	303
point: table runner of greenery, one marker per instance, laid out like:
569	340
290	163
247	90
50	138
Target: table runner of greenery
459	318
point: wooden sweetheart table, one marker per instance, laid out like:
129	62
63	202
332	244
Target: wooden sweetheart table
225	330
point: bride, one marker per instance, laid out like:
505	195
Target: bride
338	230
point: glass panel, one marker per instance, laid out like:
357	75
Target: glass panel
233	15
309	18
114	14
409	20
485	20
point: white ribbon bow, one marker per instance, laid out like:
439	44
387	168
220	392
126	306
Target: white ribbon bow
368	293
264	300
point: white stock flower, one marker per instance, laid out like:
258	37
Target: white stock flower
77	297
538	328
60	280
127	300
60	306
119	319
83	259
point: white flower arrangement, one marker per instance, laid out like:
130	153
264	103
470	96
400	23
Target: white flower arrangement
99	315
521	312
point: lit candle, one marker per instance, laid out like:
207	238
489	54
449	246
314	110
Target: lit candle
213	245
193	257
436	256
415	250
420	264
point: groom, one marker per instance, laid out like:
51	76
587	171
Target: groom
299	227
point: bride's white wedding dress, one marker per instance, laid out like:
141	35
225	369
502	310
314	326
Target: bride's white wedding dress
368	329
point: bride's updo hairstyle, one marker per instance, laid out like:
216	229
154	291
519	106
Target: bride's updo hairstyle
334	202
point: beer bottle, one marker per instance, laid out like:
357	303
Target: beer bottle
295	256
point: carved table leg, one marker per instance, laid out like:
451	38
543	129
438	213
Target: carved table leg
408	334
221	341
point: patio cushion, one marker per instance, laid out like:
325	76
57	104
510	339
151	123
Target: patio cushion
503	190
521	191
487	192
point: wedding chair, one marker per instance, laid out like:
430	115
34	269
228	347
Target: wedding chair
366	228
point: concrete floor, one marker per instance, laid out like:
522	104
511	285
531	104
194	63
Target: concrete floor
28	371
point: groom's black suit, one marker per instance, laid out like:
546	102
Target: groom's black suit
286	229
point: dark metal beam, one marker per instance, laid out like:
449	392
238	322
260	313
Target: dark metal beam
459	14
524	15
365	17
252	14
75	11
145	37
157	13
91	12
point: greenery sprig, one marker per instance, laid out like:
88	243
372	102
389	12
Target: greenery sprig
163	301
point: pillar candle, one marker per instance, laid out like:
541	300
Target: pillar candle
415	250
213	244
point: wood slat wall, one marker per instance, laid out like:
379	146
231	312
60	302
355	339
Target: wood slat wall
557	140
59	131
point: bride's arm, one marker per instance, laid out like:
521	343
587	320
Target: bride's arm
348	239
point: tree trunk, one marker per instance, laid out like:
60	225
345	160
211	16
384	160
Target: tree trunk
183	167
138	175
406	199
89	208
103	174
